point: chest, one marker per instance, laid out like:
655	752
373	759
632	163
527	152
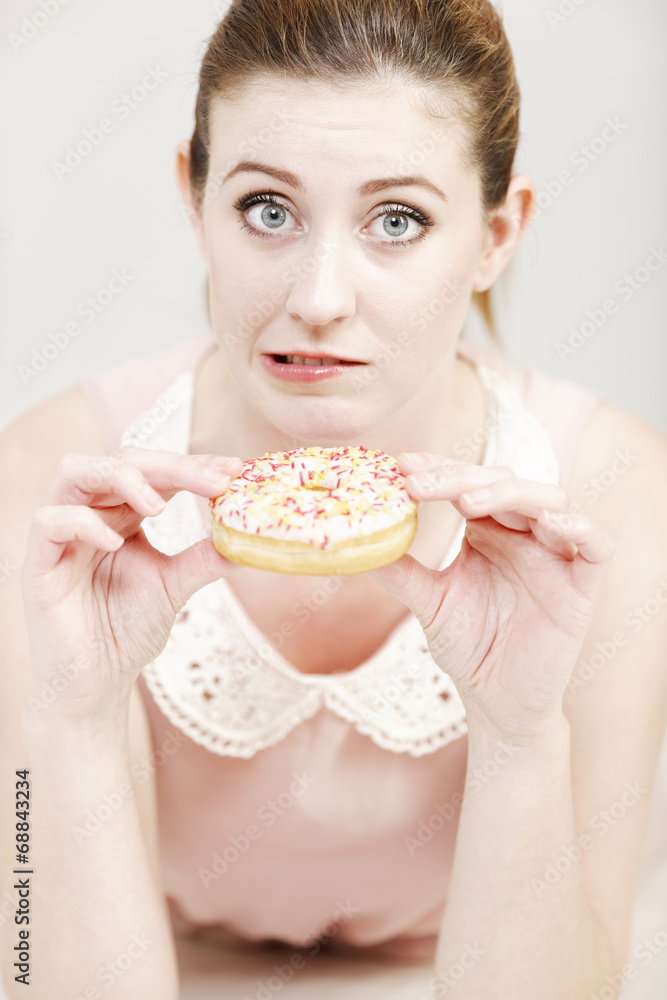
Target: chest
320	624
330	624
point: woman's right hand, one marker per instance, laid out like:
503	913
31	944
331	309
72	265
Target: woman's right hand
99	600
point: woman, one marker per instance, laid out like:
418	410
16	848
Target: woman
404	762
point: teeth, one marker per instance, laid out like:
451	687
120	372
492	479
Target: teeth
294	359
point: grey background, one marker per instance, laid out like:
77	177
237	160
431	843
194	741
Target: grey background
60	240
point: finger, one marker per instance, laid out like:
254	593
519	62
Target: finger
104	480
193	568
142	478
169	472
52	528
512	502
414	584
593	542
449	481
423	461
552	540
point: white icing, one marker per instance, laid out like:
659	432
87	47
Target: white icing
317	495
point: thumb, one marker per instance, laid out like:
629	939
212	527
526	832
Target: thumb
414	584
188	571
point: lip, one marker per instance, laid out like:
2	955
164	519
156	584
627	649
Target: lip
305	373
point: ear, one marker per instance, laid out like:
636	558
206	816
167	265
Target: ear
183	178
506	227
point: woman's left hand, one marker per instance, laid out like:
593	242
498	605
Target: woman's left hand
525	583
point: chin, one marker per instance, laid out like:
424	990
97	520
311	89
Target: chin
325	425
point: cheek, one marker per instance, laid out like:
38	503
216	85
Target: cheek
453	278
447	294
426	316
232	274
243	299
438	289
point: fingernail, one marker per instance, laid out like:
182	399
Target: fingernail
416	459
152	497
113	537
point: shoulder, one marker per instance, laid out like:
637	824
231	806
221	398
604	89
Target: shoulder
619	479
619	473
59	424
30	450
616	696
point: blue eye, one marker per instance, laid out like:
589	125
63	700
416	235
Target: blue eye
394	222
274	214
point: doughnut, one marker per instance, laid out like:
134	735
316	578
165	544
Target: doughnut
315	511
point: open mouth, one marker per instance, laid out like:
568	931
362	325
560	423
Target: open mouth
295	359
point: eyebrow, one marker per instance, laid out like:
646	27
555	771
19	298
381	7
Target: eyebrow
369	187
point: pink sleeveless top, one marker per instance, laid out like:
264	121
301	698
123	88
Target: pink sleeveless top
294	807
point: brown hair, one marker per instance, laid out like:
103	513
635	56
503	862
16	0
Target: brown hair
455	48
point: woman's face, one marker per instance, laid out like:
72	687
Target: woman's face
343	262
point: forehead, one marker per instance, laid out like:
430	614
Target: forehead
312	127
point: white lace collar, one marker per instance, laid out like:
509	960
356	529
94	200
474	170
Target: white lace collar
226	687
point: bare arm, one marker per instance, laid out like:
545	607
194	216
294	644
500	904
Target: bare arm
85	894
561	738
512	933
98	926
85	619
551	835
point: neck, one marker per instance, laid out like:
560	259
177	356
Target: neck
447	417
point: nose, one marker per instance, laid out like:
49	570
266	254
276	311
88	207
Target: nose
322	285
